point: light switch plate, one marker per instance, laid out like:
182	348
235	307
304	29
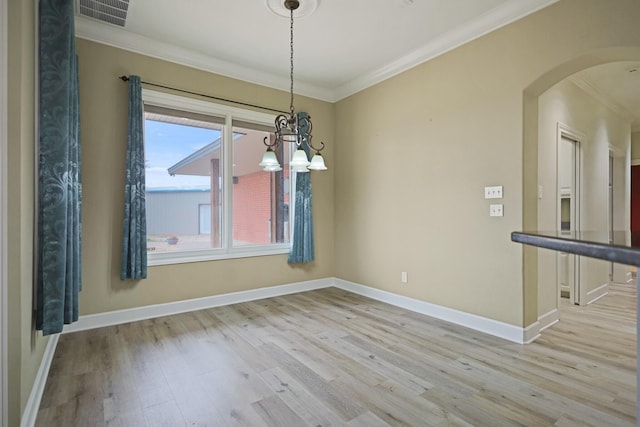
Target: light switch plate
496	210
494	192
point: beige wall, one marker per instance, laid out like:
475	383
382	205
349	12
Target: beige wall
428	140
103	103
25	347
569	106
409	158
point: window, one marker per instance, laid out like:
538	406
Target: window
206	196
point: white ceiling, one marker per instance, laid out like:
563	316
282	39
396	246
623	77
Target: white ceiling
617	85
340	48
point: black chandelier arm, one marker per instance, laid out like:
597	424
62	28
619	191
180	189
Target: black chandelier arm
294	129
281	122
270	146
317	150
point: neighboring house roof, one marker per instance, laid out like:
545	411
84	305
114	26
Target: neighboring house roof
247	152
197	163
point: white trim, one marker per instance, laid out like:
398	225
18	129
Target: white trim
4	111
229	113
181	102
482	324
166	258
117	317
602	97
549	319
468	320
472	321
616	151
597	293
109	35
630	277
118	37
635	162
531	333
30	413
484	24
576	293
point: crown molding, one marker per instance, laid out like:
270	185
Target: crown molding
474	29
600	96
111	35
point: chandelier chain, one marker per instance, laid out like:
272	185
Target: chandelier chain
291	74
292	129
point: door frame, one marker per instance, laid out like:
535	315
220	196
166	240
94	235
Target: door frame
610	203
563	131
619	209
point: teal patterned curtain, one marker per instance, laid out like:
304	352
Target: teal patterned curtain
134	234
59	268
302	248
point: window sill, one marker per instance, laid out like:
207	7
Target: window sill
182	257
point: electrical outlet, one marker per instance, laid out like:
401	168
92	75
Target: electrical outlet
404	277
496	210
493	192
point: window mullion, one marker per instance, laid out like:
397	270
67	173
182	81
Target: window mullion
227	184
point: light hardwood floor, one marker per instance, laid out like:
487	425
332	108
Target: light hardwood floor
332	358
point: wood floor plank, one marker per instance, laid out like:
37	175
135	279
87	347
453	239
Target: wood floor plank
300	400
166	414
276	413
332	358
367	419
344	406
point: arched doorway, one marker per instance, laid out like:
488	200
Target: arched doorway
530	155
533	284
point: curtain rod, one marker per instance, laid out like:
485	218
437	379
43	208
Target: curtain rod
126	78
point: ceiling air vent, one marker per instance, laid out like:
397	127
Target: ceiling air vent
111	11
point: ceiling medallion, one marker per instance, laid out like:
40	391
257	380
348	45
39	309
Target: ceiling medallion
306	8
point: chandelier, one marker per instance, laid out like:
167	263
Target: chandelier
292	129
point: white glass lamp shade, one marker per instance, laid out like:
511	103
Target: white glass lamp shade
317	163
269	159
274	168
299	162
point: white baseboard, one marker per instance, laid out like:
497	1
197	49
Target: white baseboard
597	293
92	321
549	319
118	317
30	413
100	320
472	321
630	277
531	333
478	323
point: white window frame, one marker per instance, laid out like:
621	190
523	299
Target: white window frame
228	251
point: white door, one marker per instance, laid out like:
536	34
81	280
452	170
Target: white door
611	210
568	215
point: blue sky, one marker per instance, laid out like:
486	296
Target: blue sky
167	144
